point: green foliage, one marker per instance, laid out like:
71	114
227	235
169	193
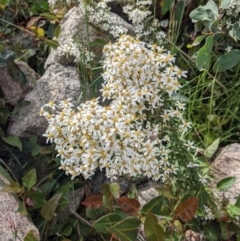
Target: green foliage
211	93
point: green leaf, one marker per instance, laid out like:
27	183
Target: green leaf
37	198
106	221
13	141
38	31
208	12
211	232
153	206
30	179
67	231
35	148
204	54
49	207
30	236
233	211
4	173
97	42
225	183
115	189
234	32
227	61
127	229
93	214
52	43
14	187
4	114
198	40
166	6
237	204
152	230
22	209
225	4
210	150
179	12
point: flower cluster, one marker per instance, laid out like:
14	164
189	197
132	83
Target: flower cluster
128	137
208	213
230	14
77	50
144	23
54	3
99	15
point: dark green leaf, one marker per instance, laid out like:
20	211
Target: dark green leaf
4	114
106	221
37	198
166	6
127	229
227	61
153	206
49	207
93	214
179	12
67	231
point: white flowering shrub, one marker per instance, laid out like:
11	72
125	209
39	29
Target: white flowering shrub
136	134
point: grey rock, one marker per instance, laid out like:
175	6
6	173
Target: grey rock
12	91
11	220
100	178
58	83
147	192
227	164
74	25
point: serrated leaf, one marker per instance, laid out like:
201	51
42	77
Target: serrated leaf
152	230
13	141
106	221
93	202
48	209
128	205
127	229
225	183
227	61
186	210
210	150
204	54
30	179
